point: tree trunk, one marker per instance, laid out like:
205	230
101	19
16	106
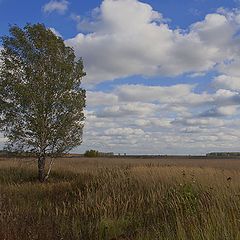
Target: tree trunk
41	168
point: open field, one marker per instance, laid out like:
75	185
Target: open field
121	198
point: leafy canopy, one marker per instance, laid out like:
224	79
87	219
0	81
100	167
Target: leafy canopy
41	101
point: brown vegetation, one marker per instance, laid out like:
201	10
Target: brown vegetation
120	198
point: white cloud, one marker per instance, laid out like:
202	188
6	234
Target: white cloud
230	68
220	111
101	98
180	93
201	122
128	38
158	122
56	6
227	110
162	120
211	29
123	132
128	109
227	82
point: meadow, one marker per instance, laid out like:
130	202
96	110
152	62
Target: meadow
121	198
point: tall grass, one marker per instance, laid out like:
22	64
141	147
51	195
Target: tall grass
119	199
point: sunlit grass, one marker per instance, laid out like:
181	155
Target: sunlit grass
109	199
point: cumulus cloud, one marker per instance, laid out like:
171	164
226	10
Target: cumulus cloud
211	29
124	38
123	132
219	112
136	108
56	6
227	82
101	98
127	37
180	94
165	120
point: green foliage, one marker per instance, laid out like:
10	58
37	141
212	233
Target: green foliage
91	153
42	102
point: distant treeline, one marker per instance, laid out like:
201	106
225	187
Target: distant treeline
95	153
223	154
5	153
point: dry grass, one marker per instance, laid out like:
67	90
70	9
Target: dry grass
121	198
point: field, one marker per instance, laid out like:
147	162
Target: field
121	198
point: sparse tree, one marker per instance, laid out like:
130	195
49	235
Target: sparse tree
41	101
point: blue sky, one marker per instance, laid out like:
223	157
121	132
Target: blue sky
162	76
182	13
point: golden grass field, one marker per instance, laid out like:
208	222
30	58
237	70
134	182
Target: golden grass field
121	198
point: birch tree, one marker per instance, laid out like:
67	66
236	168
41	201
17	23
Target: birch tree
41	99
